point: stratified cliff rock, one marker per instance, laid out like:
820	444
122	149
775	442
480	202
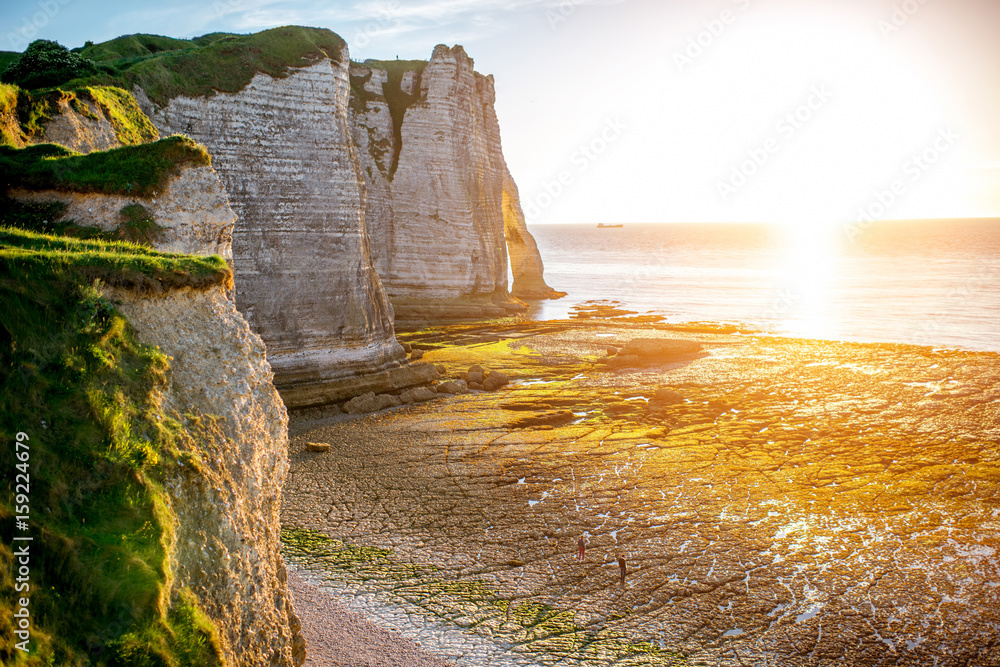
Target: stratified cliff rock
192	211
226	501
448	255
525	260
302	265
374	136
441	201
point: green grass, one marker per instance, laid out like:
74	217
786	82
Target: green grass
397	100
130	170
212	63
116	263
75	379
138	226
130	46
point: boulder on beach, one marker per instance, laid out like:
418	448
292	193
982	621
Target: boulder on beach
495	380
664	396
450	387
417	395
317	446
476	369
370	402
441	369
474	377
416	354
556	418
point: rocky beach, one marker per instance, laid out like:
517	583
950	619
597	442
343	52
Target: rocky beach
777	501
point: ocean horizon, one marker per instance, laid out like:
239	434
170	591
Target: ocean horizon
927	282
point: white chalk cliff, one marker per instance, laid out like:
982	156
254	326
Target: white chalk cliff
302	265
441	201
192	211
226	544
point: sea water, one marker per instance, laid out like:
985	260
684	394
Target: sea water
920	282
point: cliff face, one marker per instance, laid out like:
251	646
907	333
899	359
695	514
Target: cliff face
451	202
192	211
447	232
302	265
374	137
226	501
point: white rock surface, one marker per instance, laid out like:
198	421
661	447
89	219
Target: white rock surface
301	261
192	209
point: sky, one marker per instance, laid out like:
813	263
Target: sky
806	112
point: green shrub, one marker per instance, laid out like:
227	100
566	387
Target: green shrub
45	64
138	226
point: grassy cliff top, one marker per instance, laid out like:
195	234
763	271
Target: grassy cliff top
131	266
141	170
167	68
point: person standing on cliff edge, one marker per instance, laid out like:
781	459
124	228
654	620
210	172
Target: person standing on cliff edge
622	568
581	551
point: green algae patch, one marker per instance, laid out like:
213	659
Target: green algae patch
86	397
545	632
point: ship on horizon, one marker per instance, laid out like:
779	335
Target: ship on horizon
601	225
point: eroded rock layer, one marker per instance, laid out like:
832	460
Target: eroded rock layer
192	212
301	260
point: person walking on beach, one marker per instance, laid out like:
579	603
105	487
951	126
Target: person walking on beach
622	568
581	550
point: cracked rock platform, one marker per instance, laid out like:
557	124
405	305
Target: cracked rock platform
777	502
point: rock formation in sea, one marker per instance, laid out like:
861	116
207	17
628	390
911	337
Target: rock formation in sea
441	200
525	260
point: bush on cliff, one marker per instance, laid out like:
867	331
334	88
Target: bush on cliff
45	64
76	381
130	170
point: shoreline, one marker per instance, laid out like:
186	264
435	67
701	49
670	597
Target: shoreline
492	491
